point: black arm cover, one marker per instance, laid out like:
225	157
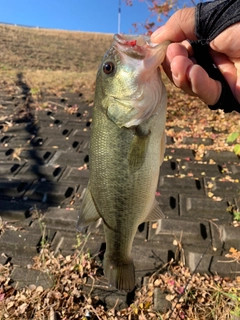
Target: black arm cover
211	19
214	17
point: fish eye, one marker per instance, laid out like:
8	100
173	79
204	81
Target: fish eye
108	67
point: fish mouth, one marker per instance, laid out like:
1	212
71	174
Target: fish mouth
140	48
138	61
132	47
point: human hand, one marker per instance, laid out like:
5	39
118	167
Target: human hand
180	65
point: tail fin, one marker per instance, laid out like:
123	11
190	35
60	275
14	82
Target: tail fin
120	276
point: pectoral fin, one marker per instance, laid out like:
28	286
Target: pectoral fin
162	147
156	213
138	150
137	153
88	213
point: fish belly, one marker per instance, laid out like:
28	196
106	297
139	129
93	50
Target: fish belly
123	197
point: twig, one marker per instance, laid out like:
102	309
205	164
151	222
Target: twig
186	286
55	103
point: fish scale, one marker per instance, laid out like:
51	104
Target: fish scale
126	150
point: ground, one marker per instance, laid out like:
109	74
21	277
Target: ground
187	265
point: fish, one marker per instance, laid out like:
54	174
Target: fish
127	147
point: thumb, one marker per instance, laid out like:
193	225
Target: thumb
179	27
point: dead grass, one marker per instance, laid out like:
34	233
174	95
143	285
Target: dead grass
190	296
52	82
171	293
51	60
41	49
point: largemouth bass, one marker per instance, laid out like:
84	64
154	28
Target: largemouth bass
126	150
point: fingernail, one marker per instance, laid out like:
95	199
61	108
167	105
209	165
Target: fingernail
157	32
175	77
174	74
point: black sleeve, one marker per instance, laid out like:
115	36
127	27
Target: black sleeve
215	16
211	19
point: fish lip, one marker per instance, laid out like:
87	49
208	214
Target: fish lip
136	46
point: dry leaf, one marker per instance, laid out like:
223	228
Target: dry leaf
170	297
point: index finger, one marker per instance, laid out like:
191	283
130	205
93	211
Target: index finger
179	27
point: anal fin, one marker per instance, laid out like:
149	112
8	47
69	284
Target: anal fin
156	213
